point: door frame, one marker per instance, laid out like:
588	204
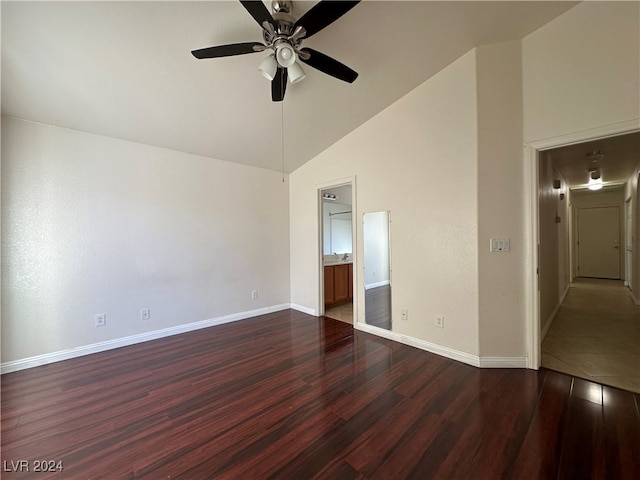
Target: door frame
628	245
532	225
354	240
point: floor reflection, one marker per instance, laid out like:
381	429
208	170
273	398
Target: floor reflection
377	306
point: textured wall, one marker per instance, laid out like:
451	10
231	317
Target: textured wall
96	225
500	199
582	70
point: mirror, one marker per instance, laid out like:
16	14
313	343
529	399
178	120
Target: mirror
337	228
377	269
337	222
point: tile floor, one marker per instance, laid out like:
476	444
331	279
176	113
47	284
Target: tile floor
343	312
596	335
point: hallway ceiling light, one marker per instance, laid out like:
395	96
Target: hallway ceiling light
595	180
593	167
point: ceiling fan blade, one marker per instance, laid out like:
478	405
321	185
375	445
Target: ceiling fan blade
279	85
322	14
329	65
228	50
258	11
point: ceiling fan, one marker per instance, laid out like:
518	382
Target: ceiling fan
283	34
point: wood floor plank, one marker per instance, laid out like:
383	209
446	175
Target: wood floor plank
542	444
583	445
287	395
621	421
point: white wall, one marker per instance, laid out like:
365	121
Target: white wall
92	224
582	70
416	159
500	200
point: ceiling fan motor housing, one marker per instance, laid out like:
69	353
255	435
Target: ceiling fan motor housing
284	28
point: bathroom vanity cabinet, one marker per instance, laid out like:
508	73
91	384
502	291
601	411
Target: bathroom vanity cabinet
338	284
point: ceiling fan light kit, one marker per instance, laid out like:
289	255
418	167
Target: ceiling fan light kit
283	34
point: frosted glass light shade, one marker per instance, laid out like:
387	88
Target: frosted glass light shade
268	67
285	55
595	184
295	73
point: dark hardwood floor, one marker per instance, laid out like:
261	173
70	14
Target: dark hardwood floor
291	396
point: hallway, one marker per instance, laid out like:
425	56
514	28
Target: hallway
596	335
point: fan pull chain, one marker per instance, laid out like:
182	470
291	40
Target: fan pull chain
282	80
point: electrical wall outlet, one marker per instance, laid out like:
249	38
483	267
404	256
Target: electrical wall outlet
440	321
101	319
145	314
254	294
404	314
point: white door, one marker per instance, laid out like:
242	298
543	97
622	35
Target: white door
599	242
628	274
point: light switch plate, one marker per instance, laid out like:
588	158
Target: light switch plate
500	245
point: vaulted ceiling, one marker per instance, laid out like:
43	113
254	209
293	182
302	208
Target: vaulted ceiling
124	70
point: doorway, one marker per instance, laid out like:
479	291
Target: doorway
628	254
337	251
627	135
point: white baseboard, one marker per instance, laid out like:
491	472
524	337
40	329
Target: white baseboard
457	355
377	284
30	362
307	310
547	324
503	362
